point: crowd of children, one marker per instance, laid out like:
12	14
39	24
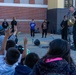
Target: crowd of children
15	61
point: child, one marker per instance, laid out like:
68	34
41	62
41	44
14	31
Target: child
12	55
27	65
57	61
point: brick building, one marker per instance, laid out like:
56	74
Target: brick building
24	11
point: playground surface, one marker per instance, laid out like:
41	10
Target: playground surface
44	42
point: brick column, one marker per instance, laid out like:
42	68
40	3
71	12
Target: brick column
45	2
1	0
16	1
32	1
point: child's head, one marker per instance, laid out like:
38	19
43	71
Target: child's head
31	59
12	56
10	43
59	48
32	19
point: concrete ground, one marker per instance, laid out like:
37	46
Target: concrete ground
41	50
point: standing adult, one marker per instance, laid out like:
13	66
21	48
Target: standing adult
72	10
64	28
13	23
44	27
5	24
32	28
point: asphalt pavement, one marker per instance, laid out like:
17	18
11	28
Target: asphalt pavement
44	42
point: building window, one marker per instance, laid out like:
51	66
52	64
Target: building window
39	1
24	1
68	3
8	1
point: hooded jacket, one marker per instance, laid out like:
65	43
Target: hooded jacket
60	67
6	69
22	70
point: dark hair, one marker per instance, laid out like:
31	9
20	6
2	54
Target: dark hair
12	56
10	43
32	19
65	16
72	6
14	18
31	59
60	48
4	18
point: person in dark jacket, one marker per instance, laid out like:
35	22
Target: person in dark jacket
27	64
64	26
22	70
73	11
57	61
5	24
13	23
44	28
31	60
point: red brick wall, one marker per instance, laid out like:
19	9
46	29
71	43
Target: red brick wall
16	1
1	0
32	1
23	14
45	1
